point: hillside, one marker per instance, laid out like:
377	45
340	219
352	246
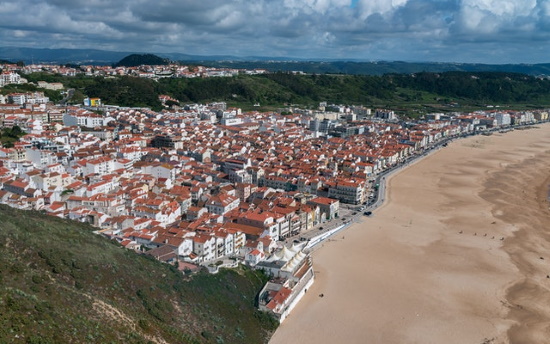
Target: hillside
135	60
60	283
379	67
60	56
105	57
419	92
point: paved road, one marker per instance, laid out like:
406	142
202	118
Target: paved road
70	94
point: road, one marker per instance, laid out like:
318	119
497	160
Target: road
70	93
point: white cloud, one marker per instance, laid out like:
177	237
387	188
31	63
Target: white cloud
501	20
19	33
406	29
382	7
502	8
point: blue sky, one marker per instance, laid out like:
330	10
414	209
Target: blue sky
481	31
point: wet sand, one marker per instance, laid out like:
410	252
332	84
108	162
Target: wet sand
459	253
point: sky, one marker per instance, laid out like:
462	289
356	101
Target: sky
468	31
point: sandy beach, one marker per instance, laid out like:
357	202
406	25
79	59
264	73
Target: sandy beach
459	253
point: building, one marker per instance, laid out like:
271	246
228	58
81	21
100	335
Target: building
328	207
7	78
348	192
85	119
222	203
503	119
168	141
291	272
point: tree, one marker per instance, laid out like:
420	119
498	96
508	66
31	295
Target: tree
171	103
16	132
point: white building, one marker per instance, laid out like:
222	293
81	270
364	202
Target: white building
293	272
85	119
103	165
41	158
204	247
222	203
503	119
7	78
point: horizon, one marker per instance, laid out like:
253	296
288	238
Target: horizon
280	59
415	31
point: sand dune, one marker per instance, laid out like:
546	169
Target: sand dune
459	253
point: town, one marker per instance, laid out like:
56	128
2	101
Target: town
10	71
213	186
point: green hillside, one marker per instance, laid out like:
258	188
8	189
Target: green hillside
419	92
60	283
135	60
377	68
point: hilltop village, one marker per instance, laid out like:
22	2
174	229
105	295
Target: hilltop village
206	184
10	71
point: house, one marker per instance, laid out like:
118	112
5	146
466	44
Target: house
222	203
328	207
204	247
254	257
225	243
165	253
102	165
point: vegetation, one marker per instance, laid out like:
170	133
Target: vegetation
411	93
136	60
14	88
379	67
61	283
54	96
8	136
126	91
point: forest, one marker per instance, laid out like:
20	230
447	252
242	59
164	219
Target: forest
283	88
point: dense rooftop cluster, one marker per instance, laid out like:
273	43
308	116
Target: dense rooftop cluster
208	182
144	71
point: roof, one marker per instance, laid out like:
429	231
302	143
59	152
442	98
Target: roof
163	253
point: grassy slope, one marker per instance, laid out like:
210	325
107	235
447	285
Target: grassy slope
60	283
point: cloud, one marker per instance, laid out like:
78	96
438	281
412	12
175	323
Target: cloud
492	16
380	7
460	30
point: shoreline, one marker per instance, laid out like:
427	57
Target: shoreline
528	252
416	271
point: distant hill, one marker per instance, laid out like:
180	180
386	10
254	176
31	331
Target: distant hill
61	56
61	283
103	57
135	60
380	67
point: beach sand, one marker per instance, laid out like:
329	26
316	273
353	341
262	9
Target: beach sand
459	253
